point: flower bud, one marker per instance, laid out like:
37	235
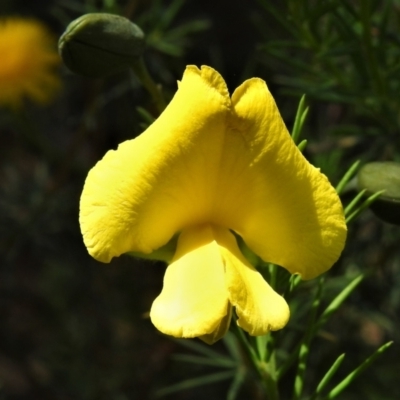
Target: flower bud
378	176
96	45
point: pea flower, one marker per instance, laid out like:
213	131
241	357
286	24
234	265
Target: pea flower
28	57
210	166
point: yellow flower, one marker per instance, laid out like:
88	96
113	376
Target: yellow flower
211	165
28	58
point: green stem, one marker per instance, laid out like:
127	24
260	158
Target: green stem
139	68
305	345
272	376
273	271
265	370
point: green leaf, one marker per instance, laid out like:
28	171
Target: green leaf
302	348
278	16
347	177
234	349
237	382
185	29
282	55
169	14
329	375
349	208
294	281
337	302
301	115
241	336
198	347
302	145
194	382
363	206
147	117
164	47
353	375
306	342
223	362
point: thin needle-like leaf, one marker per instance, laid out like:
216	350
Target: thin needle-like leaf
147	117
198	347
302	145
237	382
305	345
301	114
363	206
222	362
347	176
337	302
353	375
191	383
169	14
349	208
328	376
233	347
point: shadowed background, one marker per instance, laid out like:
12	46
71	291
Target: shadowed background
72	328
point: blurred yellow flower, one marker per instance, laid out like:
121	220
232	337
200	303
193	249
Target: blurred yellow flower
28	57
211	165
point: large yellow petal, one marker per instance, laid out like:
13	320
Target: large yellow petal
222	328
194	299
206	160
286	210
259	308
139	196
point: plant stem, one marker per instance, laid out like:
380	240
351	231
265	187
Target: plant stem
265	369
140	69
305	345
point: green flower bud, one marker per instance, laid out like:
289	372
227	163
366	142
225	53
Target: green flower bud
96	45
378	176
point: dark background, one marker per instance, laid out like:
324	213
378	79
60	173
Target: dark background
72	328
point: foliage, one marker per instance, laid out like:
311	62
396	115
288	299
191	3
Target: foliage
75	330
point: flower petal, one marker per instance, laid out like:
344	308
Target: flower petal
206	160
194	299
259	308
221	329
286	210
139	196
